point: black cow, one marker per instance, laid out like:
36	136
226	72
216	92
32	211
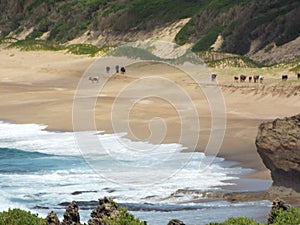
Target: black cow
250	79
284	77
236	79
123	70
298	76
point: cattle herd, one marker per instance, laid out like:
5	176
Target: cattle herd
243	78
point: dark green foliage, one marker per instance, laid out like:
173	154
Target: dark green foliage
286	217
20	217
34	34
164	10
207	40
182	37
61	33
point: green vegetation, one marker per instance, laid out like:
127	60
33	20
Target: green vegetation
290	216
36	45
182	37
124	218
86	49
44	45
296	69
20	217
34	34
237	221
207	40
234	61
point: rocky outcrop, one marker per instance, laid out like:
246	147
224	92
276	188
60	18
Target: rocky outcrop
176	222
52	219
105	209
278	144
71	216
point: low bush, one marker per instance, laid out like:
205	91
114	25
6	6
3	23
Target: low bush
20	217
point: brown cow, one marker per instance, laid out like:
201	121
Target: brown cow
255	78
243	78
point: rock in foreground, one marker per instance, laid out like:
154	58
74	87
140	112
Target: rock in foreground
278	144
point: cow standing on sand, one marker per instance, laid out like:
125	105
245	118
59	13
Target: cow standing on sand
123	70
213	77
250	79
255	78
236	79
284	77
298	76
261	79
243	78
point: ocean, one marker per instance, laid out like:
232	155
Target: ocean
44	170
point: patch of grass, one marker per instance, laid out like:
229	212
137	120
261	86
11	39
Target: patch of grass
235	61
296	69
207	40
86	49
20	217
237	221
36	45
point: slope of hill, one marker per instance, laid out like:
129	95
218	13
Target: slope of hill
258	29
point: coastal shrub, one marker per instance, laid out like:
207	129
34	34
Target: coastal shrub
86	49
182	36
290	216
237	221
20	217
204	43
34	45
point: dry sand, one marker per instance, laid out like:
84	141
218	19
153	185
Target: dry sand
39	87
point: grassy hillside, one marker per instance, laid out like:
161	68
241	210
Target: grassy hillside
246	26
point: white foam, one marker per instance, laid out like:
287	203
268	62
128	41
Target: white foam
55	185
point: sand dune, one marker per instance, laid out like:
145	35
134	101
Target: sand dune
39	87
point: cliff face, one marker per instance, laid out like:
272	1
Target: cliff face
278	144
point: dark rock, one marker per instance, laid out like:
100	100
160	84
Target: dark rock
176	222
52	219
105	208
276	206
71	216
278	144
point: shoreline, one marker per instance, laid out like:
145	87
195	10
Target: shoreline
38	87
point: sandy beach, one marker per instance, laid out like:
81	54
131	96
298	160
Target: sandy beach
39	87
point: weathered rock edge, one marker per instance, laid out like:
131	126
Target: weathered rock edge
278	144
